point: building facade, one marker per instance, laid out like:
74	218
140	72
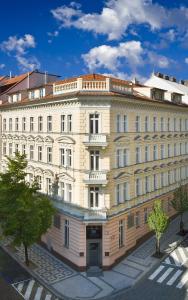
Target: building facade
103	152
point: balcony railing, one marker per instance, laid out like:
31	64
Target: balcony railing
96	214
96	177
95	140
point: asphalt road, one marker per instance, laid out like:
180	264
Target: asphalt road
10	272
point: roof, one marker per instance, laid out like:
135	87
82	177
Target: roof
16	79
92	77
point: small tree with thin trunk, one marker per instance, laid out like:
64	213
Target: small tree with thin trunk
180	204
24	213
158	221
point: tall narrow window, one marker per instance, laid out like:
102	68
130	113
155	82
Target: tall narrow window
154	124
62	156
147	184
49	123
155	182
125	123
49	154
10	149
69	157
118	123
40	124
62	123
121	233
4	124
69	192
94	160
39	153
162	151
94	197
48	186
146	124
4	148
69	123
137	124
16	148
31	152
31	124
146	153
145	215
10	124
137	219
39	180
66	233
138	187
16	124
168	124
24	124
24	149
94	123
138	155
162	124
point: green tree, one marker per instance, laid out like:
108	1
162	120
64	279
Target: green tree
180	204
25	214
158	221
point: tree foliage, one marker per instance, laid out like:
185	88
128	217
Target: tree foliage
180	204
158	221
24	213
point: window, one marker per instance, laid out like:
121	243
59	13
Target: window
16	124
175	149
66	157
24	124
121	158
118	123
162	151
10	149
69	123
138	155
49	154
94	123
31	124
4	148
69	192
162	180
162	124
121	233
62	123
147	184
24	149
94	197
154	124
145	215
66	232
66	191
40	124
169	178
146	124
39	180
41	93
32	95
57	221
155	182
181	149
180	127
31	152
137	219
155	152
94	160
16	148
130	221
125	123
175	125
48	186
168	124
49	123
137	124
39	153
10	124
4	124
146	153
168	147
138	187
122	192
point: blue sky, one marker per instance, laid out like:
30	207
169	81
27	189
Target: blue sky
126	38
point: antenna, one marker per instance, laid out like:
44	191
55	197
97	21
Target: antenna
10	74
45	77
28	80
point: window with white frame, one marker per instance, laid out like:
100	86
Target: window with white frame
118	123
175	125
122	192
4	124
169	178
145	215
137	219
66	157
40	123
147	186
154	124
63	123
49	123
31	124
155	185
168	124
162	124
94	123
10	149
94	197
66	123
16	148
16	124
39	153
69	123
39	181
168	149
138	155
41	92
48	186
4	148
24	124
121	233
49	154
138	187
147	152
155	152
10	124
66	233
94	160
146	123
175	149
138	124
31	152
162	151
24	149
121	158
162	179
121	123
66	191
181	149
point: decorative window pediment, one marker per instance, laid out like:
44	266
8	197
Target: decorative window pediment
31	138
122	175
65	176
65	140
30	169
155	136
122	139
9	136
147	137
138	138
39	139
156	167
48	172
39	171
138	171
16	137
148	169
23	138
48	139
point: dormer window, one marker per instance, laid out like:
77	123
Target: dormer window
41	93
157	94
176	98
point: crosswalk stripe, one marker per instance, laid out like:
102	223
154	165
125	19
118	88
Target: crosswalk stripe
159	269
38	293
20	287
182	281
175	258
167	261
48	297
182	254
163	277
29	289
174	277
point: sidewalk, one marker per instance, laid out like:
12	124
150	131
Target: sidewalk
72	284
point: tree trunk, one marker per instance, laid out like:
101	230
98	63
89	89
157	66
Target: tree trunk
26	255
181	224
158	251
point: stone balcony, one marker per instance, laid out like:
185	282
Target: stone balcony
96	140
96	177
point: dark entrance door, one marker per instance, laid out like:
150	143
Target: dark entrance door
94	245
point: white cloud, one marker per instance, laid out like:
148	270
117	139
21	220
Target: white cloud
186	60
2	66
18	48
158	60
110	57
117	15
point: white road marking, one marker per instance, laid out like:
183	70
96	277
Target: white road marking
182	281
167	261
163	277
29	289
159	269
20	286
38	293
176	259
48	297
174	277
182	255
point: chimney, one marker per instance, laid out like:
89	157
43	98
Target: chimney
45	77
28	80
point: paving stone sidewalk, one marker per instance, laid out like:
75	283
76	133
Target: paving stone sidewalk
77	285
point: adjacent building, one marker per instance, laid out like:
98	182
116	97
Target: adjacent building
104	150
